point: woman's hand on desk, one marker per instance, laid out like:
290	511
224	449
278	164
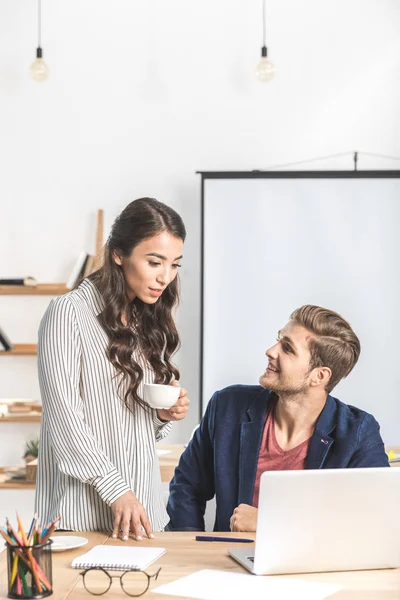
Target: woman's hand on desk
244	518
178	411
129	515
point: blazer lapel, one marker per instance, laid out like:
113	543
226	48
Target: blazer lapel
318	450
250	440
321	440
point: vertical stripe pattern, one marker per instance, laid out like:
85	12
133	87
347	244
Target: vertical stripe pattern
92	448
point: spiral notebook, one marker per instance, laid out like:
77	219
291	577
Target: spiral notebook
117	558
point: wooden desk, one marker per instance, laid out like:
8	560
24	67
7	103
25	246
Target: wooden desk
185	556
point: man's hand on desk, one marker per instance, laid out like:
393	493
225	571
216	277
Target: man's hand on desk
244	518
178	411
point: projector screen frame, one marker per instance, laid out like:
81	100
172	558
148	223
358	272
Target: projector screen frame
258	174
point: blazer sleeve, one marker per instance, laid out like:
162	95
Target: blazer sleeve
370	448
193	481
76	450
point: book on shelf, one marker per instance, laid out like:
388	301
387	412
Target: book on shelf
88	266
78	270
5	342
27	281
16	407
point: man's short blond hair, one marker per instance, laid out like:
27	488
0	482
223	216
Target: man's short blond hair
333	343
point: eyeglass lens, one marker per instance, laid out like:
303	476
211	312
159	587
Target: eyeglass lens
134	583
98	582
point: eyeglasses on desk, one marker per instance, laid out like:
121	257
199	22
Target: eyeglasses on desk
97	581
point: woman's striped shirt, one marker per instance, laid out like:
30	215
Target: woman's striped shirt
92	448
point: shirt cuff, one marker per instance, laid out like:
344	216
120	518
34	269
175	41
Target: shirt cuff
161	428
110	487
159	422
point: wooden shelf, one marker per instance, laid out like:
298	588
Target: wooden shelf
42	289
167	466
20	350
15	418
14	484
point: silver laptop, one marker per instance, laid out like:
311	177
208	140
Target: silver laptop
325	520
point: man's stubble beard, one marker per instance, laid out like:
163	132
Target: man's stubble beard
284	390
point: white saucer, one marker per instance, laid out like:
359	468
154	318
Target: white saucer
67	542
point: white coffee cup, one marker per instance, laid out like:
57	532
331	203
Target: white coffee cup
159	395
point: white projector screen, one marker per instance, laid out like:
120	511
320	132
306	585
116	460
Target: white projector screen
275	241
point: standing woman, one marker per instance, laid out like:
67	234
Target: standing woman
98	344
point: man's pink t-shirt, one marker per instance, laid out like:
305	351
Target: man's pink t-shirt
273	458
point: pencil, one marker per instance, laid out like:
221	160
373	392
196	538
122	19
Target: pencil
14	569
29	555
8	538
43	577
12	533
45	530
51	529
36	535
34	566
23	579
19	586
31	528
21	530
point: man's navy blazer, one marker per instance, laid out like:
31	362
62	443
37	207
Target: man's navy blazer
221	459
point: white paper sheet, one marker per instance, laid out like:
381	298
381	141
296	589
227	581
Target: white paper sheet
219	585
161	452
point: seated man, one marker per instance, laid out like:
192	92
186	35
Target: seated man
288	422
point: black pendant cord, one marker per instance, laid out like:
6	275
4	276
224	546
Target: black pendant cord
39	23
39	52
264	25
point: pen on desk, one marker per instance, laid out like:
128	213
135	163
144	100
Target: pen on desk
211	538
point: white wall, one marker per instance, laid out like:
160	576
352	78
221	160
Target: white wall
144	93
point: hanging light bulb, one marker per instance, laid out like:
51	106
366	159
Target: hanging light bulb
39	70
265	70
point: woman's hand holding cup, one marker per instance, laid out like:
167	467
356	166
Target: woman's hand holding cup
170	401
178	411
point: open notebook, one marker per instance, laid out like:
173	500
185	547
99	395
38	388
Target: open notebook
117	558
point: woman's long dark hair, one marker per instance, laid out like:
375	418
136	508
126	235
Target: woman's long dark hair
147	329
